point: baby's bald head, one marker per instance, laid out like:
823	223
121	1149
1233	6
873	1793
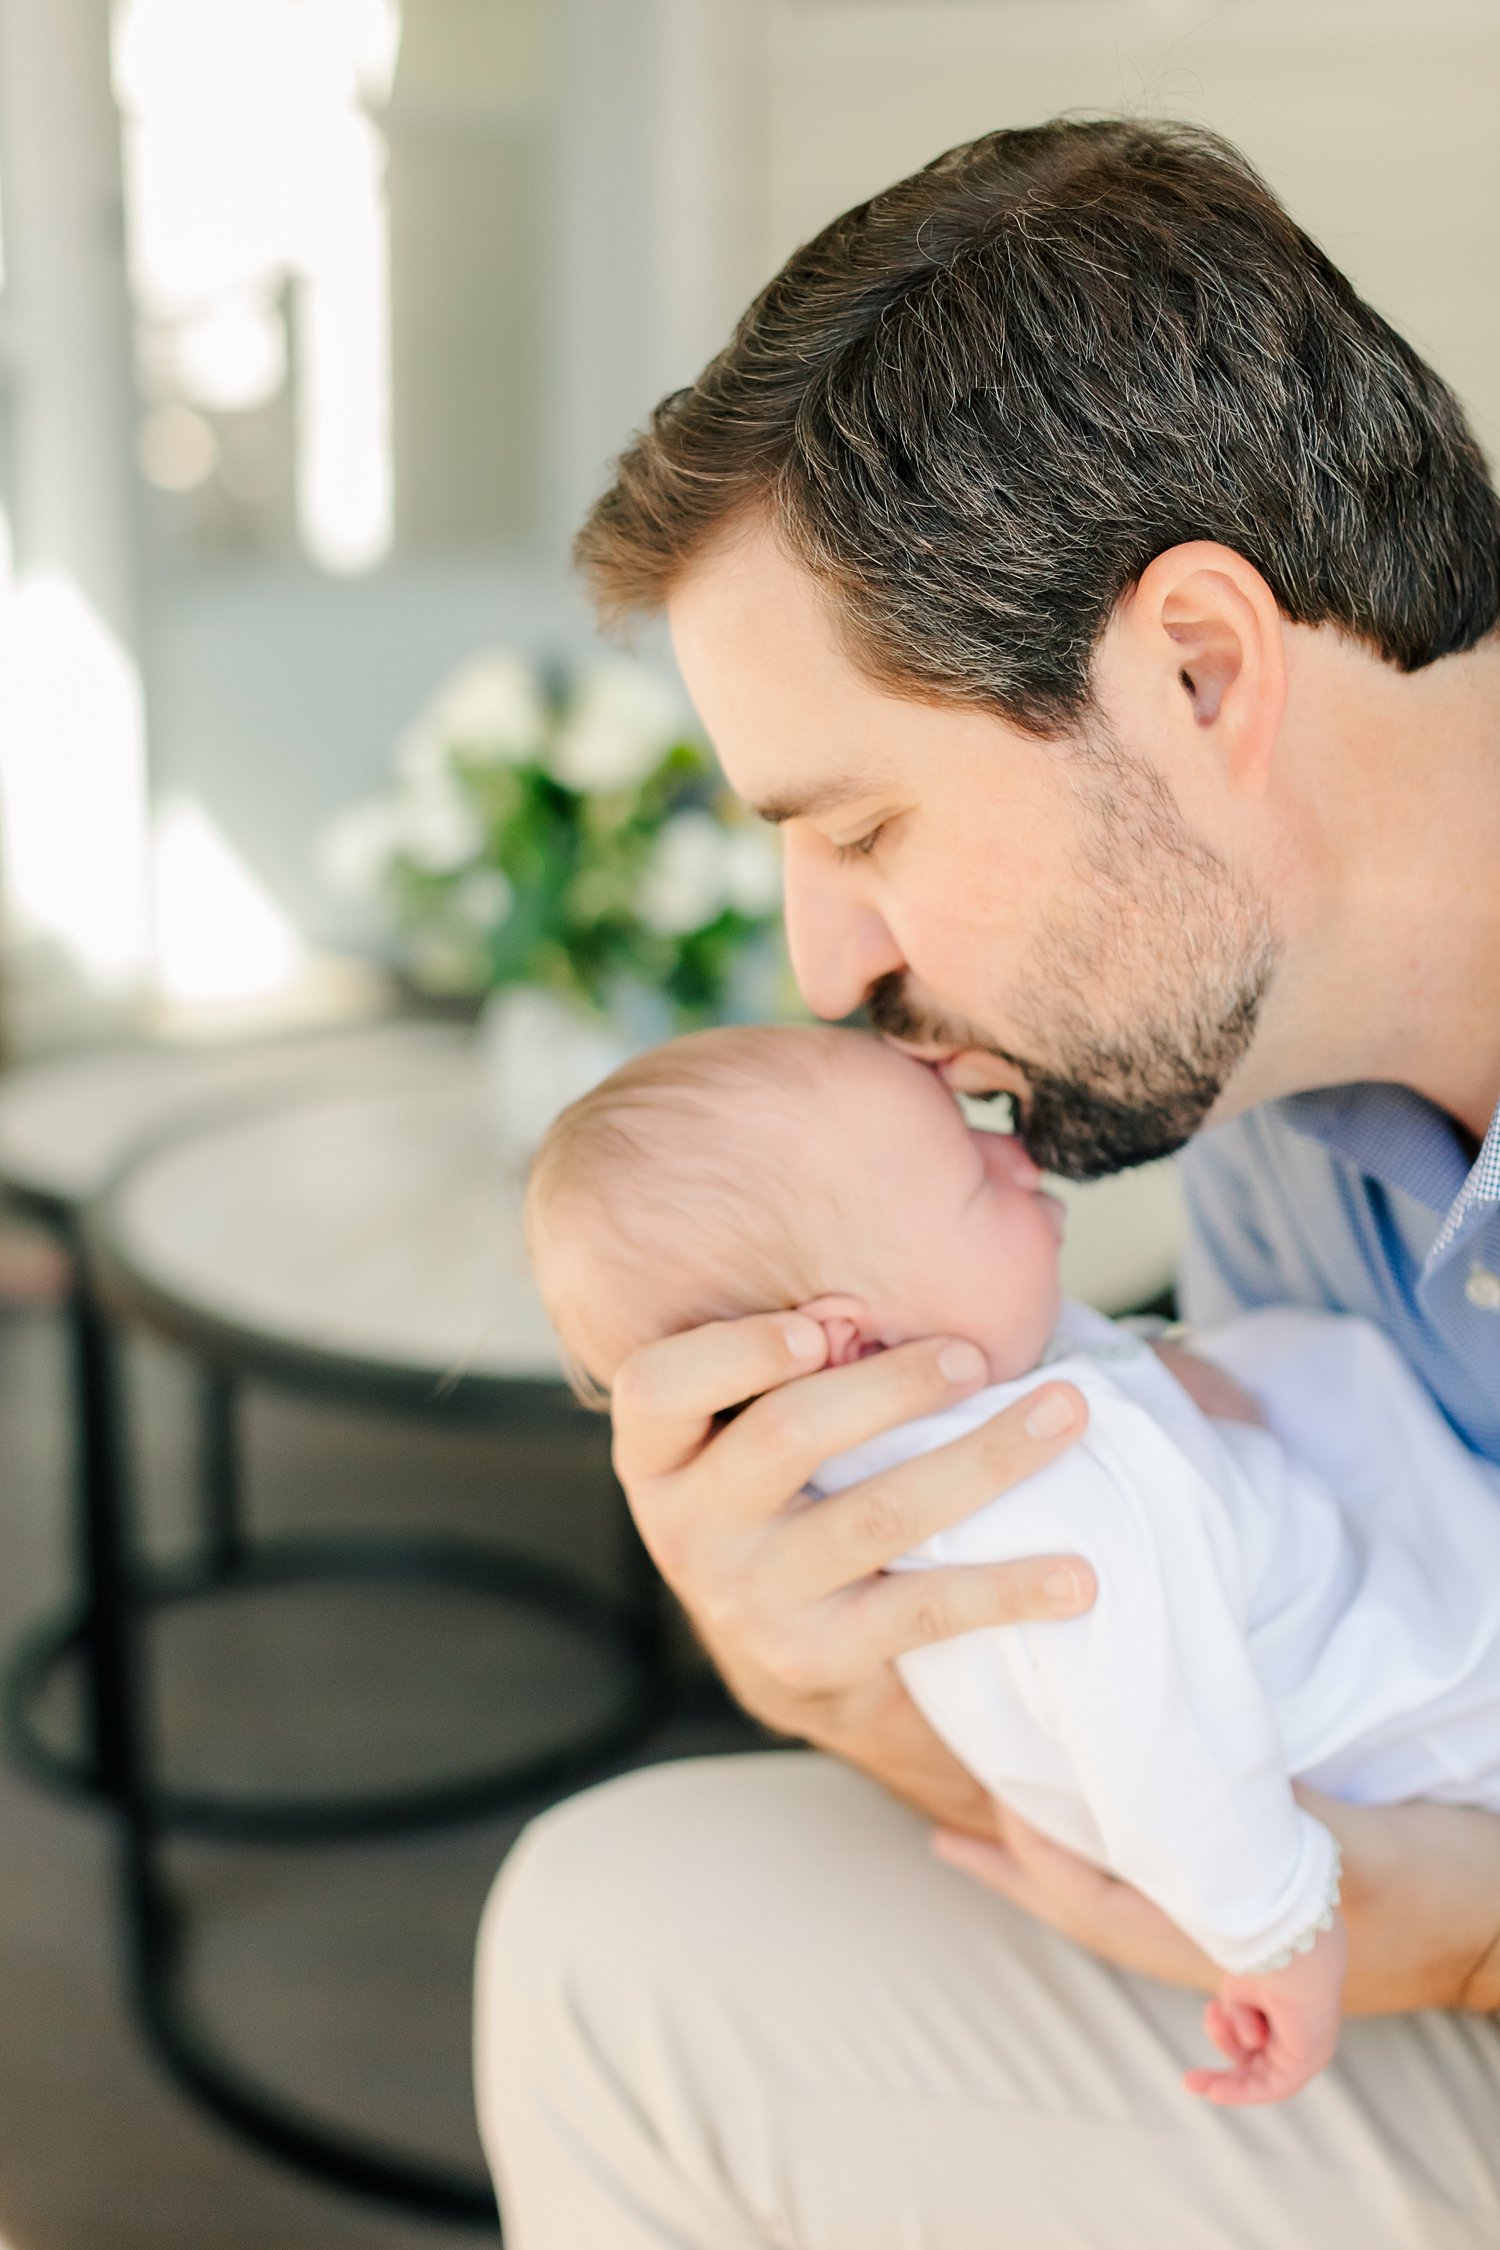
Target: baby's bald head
679	1191
750	1171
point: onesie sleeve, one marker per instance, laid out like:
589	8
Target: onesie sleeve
1151	1698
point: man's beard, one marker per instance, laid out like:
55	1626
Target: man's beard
1168	933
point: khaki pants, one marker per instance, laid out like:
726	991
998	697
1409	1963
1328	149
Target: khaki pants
735	2003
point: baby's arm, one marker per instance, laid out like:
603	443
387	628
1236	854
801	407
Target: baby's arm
1278	2029
1212	1389
1164	1727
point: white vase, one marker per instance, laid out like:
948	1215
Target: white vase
538	1052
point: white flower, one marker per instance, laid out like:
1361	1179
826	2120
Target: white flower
484	899
537	1053
752	870
623	721
684	886
437	828
422	752
491	705
490	708
355	850
441	964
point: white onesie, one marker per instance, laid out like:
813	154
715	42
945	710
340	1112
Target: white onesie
1322	1602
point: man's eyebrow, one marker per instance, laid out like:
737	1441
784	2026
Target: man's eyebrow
779	810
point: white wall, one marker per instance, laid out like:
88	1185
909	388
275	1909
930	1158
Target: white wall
1377	121
695	143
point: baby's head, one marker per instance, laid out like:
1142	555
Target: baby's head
757	1170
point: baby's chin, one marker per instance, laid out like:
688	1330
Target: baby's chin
1013	1353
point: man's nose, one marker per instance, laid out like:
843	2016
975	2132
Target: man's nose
838	942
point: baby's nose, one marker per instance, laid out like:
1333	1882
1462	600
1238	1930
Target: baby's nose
1006	1152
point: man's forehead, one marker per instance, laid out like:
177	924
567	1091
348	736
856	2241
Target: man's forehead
801	731
763	661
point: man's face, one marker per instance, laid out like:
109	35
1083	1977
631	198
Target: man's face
1034	917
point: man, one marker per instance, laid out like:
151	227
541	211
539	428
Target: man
1104	600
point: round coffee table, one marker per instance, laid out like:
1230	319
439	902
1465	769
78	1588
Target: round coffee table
358	1241
66	1128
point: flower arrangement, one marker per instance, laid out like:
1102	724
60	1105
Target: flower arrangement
576	841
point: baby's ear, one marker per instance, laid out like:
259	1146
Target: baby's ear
847	1323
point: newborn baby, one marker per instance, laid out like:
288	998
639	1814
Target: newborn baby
1305	1599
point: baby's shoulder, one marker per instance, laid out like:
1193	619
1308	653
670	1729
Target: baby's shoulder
1108	1397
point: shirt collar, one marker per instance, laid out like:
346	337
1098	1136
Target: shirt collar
1400	1138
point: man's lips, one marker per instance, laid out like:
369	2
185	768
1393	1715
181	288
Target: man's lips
972	1071
965	1070
932	1056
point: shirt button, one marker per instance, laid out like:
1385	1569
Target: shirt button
1483	1289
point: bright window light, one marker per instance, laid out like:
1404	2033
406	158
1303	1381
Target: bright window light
219	935
72	836
344	468
252	162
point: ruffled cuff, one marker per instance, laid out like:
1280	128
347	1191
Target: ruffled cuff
1291	1923
1306	1939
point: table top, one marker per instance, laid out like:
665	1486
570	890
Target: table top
67	1125
376	1225
343	1205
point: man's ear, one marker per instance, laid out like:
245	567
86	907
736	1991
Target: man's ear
848	1325
1205	615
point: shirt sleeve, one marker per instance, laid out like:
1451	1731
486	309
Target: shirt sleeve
1150	1698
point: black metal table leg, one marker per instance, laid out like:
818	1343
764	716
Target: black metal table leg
158	1965
227	1562
114	1686
105	1634
220	1486
155	1922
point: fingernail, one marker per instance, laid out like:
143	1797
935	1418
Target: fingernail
1051	1415
804	1338
960	1363
1063	1588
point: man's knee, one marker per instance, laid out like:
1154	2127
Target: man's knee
542	1912
595	1902
604	1943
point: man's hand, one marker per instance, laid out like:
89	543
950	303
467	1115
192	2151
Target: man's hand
1421	1898
792	1596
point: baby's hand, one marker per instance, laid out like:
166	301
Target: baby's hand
1277	2030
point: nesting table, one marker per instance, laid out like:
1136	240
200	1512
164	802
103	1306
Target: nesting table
329	1216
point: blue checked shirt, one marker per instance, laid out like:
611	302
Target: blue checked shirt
1360	1199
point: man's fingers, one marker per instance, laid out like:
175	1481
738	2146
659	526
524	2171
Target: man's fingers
664	1397
850	1535
839	1642
788	1433
911	1609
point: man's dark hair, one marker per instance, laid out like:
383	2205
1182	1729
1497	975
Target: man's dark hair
977	406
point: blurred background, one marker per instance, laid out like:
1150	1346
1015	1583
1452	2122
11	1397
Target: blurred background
320	321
